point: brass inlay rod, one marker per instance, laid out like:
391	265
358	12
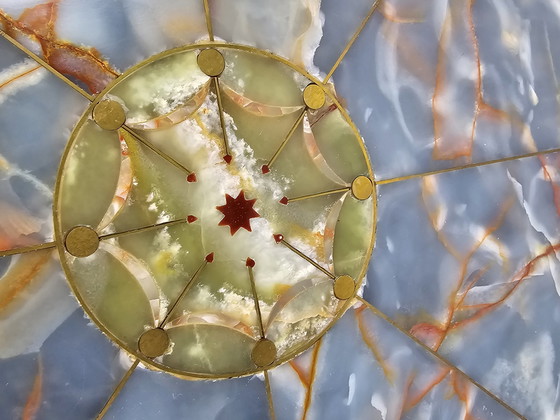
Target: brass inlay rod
46	65
117	390
221	112
208	20
31	248
470	165
256	299
306	258
438	356
156	150
352	40
287	139
185	290
143	229
320	194
269	396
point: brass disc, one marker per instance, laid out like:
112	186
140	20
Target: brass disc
211	62
313	96
344	287
81	241
109	115
362	188
264	353
153	343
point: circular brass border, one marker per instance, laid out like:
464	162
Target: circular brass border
59	235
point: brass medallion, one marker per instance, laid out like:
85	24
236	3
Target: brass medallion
223	269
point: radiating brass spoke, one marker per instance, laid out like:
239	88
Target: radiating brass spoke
156	150
269	396
31	248
469	166
184	292
352	40
320	194
306	258
286	139
127	375
143	229
208	20
117	390
438	356
221	112
250	264
47	66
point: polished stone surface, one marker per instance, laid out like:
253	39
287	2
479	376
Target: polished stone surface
466	262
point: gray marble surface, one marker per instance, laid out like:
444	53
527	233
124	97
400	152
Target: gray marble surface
466	263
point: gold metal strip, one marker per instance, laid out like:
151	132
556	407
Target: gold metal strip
438	356
208	20
287	139
186	289
221	111
155	149
256	299
306	258
117	390
27	249
143	229
469	166
269	396
47	66
305	197
352	40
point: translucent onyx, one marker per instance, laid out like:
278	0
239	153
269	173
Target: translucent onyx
216	191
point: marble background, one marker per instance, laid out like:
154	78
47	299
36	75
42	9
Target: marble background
461	298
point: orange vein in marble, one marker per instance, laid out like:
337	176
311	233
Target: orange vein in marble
554	185
393	15
21	274
405	394
19	76
38	24
428	188
370	343
518	279
479	106
312	372
420	395
35	397
299	372
496	224
460	387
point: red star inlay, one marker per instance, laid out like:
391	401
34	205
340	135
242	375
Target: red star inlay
238	213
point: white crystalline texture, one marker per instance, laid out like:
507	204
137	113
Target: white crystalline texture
20	76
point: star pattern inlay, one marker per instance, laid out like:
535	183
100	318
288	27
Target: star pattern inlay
238	212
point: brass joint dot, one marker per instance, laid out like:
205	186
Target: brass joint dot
362	188
154	342
314	96
211	62
81	241
344	287
109	115
264	353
